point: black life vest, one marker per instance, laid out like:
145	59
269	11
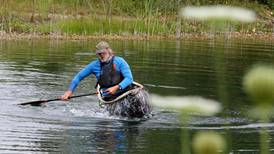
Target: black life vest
109	76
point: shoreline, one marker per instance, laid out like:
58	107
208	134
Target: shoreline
186	36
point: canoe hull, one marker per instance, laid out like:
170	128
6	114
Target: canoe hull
134	105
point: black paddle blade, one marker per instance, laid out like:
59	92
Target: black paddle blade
34	103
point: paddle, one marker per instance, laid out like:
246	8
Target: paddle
39	102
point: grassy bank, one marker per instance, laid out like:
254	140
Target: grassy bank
144	18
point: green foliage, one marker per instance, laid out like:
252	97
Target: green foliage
99	26
121	17
20	27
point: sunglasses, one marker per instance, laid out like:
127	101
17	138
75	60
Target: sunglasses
102	51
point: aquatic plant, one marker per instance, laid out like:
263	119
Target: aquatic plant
218	13
208	143
219	17
258	83
187	105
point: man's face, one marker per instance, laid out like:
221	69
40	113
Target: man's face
103	56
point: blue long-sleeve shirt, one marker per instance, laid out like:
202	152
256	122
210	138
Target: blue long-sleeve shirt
95	68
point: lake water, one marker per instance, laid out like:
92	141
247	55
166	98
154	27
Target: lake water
33	70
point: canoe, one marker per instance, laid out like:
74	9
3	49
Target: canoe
133	103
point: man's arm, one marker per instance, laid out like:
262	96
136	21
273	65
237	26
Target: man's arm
126	72
77	79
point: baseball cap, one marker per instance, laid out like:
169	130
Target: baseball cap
101	46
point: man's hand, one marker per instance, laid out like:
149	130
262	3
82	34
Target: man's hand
66	95
112	90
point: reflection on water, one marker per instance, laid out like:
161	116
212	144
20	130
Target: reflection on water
30	70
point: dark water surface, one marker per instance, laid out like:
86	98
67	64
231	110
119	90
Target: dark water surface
30	70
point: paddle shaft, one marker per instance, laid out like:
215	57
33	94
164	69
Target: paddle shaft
55	99
58	99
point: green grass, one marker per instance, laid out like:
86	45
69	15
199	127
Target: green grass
99	26
119	17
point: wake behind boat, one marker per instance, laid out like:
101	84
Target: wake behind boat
133	103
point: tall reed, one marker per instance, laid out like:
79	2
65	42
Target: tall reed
147	17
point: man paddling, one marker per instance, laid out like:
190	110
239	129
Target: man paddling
121	96
112	73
